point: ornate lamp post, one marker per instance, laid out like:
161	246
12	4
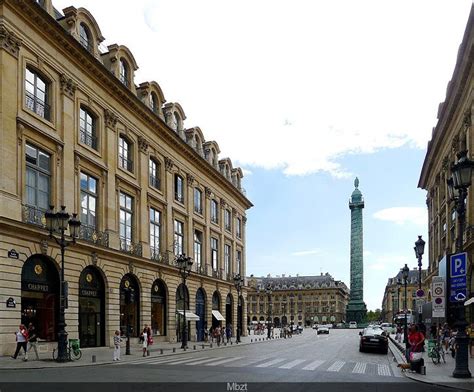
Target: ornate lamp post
58	222
268	291
184	265
238	282
419	250
405	272
458	185
399	286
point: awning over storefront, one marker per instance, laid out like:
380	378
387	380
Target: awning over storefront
190	316
218	315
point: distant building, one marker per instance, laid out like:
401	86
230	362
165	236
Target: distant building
301	300
394	295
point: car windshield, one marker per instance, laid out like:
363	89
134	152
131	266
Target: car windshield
373	331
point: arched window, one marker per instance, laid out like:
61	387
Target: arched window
154	173
158	308
124	73
176	122
37	94
125	154
153	103
85	37
87	128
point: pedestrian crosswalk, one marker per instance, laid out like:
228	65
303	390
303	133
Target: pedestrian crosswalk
332	366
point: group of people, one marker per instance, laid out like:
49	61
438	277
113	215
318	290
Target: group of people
220	334
26	339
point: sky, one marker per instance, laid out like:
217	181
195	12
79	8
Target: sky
305	95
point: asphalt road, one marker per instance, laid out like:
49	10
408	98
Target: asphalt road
331	361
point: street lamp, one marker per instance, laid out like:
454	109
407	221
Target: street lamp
238	282
268	291
458	185
419	250
59	222
405	272
184	265
399	286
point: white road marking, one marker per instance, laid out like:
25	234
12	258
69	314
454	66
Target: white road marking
180	361
314	365
383	370
359	368
249	361
223	361
292	364
336	366
203	361
270	363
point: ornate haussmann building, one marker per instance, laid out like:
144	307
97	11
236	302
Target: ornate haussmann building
75	130
298	300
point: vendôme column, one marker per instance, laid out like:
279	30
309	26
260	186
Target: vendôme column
356	308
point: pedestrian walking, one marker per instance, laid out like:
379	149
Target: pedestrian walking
117	341
398	336
32	340
446	334
217	334
147	340
211	334
228	332
21	340
223	333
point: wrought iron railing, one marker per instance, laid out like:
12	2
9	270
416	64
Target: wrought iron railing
91	234
125	163
37	105
198	209
87	139
201	269
130	247
155	182
160	257
179	197
33	215
215	273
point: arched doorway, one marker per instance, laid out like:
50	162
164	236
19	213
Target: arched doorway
284	321
40	296
130	305
240	314
91	308
201	325
217	317
229	303
182	302
158	308
276	322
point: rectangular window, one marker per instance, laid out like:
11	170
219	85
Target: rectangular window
38	178
178	237
214	211
214	253
88	201
154	169
36	94
227	261
155	222
87	128
125	154
239	262
179	188
227	219
126	219
239	228
197	200
197	249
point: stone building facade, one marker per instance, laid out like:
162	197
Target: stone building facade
454	124
301	300
75	130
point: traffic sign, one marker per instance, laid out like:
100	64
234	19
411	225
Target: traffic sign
457	277
420	293
438	295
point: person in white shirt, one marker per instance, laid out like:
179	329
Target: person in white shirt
21	341
117	341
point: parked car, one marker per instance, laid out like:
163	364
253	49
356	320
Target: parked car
389	328
352	324
323	329
373	338
315	326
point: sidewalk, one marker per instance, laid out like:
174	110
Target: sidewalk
104	355
435	374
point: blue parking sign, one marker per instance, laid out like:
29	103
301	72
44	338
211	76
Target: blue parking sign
457	277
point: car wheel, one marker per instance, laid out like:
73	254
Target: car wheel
361	349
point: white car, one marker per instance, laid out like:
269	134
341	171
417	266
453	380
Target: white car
389	328
323	329
352	324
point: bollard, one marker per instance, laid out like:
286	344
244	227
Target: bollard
185	348
174	349
161	351
94	359
251	340
210	345
202	347
231	342
194	347
225	343
423	370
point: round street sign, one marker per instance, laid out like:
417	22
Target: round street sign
438	290
420	293
438	301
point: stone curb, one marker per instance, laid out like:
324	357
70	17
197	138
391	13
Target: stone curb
53	365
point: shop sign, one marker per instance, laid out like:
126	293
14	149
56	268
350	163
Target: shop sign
11	303
44	288
13	254
89	293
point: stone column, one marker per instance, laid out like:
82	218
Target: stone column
143	236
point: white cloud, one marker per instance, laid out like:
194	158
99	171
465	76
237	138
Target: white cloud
302	84
246	172
307	252
389	262
403	215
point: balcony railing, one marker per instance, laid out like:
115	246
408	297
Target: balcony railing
130	247
198	209
91	234
33	215
160	257
201	269
155	182
125	163
88	140
38	106
179	197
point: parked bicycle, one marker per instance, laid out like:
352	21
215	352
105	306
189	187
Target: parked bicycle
73	351
437	353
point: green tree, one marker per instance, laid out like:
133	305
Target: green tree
373	315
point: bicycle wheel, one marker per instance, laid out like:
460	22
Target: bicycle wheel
435	355
76	354
442	355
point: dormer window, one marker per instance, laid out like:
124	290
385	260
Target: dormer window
85	37
124	73
176	122
153	103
